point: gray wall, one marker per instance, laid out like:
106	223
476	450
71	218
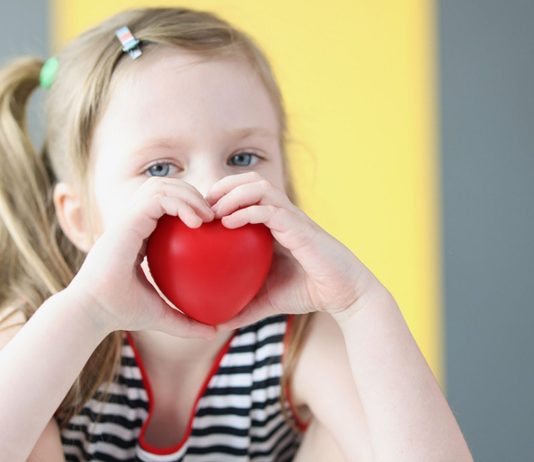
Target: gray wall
24	31
486	59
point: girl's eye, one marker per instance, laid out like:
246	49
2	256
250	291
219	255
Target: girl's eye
243	159
159	169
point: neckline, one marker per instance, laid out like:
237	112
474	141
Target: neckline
146	383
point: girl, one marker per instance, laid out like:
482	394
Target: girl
187	122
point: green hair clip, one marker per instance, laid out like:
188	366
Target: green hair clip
48	72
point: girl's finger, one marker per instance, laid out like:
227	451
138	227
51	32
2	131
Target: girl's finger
178	207
177	183
290	228
158	186
261	193
191	195
226	184
276	218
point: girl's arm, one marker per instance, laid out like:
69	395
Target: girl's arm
322	382
407	413
318	446
366	382
38	366
384	376
110	292
48	447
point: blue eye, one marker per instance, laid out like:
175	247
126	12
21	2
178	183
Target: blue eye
159	169
244	158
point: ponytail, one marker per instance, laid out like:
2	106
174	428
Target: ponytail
33	267
37	259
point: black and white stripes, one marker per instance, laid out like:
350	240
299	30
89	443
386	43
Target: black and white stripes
238	415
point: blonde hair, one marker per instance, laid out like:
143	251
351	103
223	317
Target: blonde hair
38	259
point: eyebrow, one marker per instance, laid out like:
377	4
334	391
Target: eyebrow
237	134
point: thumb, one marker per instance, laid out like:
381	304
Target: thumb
172	321
258	308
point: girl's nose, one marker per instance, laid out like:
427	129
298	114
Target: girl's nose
204	183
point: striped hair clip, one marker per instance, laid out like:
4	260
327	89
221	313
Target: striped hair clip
129	43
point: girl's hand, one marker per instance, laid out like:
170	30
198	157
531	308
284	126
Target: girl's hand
111	277
311	270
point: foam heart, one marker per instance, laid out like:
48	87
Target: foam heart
210	273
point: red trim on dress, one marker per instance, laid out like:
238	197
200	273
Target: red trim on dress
301	424
146	383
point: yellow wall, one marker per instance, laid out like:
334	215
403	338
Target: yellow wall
358	77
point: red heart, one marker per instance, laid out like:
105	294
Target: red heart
210	273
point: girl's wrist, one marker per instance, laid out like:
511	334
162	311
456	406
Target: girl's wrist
84	310
372	297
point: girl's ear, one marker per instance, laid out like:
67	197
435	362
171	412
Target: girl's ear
70	215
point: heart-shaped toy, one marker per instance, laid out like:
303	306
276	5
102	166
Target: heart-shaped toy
210	273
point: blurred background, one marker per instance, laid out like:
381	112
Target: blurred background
413	135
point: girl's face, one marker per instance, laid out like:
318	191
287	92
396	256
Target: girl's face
173	114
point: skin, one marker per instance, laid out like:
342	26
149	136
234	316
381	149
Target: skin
361	376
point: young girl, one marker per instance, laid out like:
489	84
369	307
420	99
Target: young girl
189	122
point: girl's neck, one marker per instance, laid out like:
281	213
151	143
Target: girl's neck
166	354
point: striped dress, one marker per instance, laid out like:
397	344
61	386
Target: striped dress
237	415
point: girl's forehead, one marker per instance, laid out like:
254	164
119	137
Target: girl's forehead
173	76
181	64
169	90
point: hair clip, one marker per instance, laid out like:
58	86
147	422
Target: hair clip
129	43
48	72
